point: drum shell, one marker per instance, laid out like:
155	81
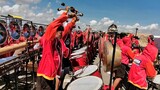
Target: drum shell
97	74
80	61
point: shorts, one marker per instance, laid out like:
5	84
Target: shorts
121	71
44	84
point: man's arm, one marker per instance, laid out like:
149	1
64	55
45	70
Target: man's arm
150	70
68	28
51	29
130	54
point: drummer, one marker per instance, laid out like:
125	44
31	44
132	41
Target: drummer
142	67
127	55
53	48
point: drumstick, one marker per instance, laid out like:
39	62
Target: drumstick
81	71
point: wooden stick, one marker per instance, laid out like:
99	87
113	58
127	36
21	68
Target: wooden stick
14	47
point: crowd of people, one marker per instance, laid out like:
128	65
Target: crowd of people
58	42
137	60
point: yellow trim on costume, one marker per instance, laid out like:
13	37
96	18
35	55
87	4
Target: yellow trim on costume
46	77
137	85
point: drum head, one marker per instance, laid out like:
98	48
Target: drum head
3	34
78	52
156	80
85	71
86	83
107	56
76	56
143	40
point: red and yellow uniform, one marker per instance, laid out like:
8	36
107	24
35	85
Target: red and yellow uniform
50	63
142	67
127	53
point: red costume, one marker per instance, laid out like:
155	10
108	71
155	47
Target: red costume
127	53
142	67
53	49
68	29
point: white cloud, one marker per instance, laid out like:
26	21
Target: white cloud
102	24
105	22
149	29
93	22
26	1
60	12
154	26
28	12
45	15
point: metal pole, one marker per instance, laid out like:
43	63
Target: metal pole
100	56
113	55
136	31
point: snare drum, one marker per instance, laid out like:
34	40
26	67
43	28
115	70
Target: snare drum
87	71
78	52
86	83
156	79
79	60
81	49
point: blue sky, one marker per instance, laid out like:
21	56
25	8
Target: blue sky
127	14
124	11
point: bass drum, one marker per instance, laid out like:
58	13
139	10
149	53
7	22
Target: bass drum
14	30
3	34
107	56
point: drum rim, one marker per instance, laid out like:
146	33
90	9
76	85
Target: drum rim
19	29
6	34
77	53
81	49
68	79
83	75
155	81
76	56
96	88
